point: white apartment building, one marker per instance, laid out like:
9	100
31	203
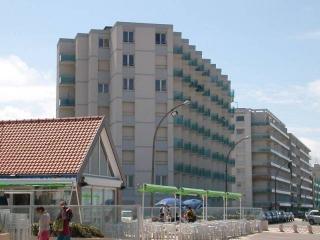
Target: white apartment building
316	185
134	73
270	153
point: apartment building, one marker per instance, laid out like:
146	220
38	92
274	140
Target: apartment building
134	73
316	185
270	154
302	180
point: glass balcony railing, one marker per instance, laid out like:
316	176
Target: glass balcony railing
193	62
200	68
186	79
67	57
186	56
206	73
177	73
177	50
67	79
66	102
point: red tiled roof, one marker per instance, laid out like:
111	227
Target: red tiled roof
46	146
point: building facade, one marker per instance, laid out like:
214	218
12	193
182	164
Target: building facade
270	154
316	186
134	73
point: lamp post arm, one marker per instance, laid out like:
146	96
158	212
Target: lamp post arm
155	136
227	159
154	144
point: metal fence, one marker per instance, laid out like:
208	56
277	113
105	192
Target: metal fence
114	222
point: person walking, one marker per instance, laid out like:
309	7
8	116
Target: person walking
65	216
44	224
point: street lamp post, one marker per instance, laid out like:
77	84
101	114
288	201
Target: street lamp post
275	181
172	110
226	168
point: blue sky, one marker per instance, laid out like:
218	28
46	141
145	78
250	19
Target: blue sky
270	50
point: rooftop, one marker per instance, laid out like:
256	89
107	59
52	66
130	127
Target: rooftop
46	146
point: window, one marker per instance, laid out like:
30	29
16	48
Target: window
161	85
128	37
161	180
130	181
103	88
240	118
128	60
103	43
240	131
128	84
161	38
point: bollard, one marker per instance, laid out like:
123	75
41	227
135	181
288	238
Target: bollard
295	228
265	225
281	227
259	227
309	227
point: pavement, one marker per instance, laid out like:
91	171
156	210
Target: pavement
281	236
288	234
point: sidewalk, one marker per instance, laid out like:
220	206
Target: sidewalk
281	236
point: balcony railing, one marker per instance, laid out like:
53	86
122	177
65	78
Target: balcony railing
66	102
67	79
67	57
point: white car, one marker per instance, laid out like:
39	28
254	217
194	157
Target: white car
126	216
313	217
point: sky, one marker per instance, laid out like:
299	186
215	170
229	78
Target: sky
269	49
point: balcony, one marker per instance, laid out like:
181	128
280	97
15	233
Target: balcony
186	56
177	50
177	73
206	73
66	102
67	57
66	79
261	136
193	62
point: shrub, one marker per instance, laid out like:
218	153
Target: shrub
35	229
77	230
81	230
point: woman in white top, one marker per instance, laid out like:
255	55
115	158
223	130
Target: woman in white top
44	224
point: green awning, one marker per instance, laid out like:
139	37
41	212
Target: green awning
153	188
215	194
191	191
235	196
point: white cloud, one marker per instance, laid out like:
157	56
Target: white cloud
303	96
314	147
305	130
25	92
310	35
9	113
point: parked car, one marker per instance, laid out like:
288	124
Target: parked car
275	216
313	217
282	216
268	217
